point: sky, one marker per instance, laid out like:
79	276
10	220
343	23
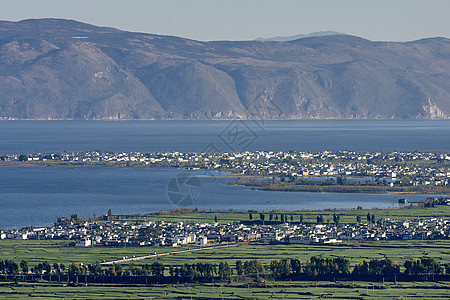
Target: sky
381	20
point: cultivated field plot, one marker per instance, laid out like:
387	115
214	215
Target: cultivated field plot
58	251
354	251
35	252
305	290
346	216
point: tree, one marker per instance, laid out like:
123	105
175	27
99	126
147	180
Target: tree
447	268
95	269
296	266
157	269
253	267
282	218
47	267
239	267
271	217
292	218
250	216
73	269
280	268
56	267
301	219
24	266
425	267
316	266
215	219
358	219
373	219
368	217
74	218
380	267
319	219
11	267
336	219
117	269
261	216
224	270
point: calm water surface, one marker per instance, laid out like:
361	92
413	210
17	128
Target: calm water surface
37	196
158	136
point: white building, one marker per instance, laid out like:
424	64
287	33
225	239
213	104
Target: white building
84	243
202	240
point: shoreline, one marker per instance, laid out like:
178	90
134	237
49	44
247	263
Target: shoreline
349	189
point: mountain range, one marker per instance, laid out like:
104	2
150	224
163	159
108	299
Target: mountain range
64	69
296	37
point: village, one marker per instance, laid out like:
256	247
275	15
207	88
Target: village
392	168
122	233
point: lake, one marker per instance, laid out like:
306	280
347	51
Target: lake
192	136
37	196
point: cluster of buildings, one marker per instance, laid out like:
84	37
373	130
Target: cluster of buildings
159	234
113	233
408	168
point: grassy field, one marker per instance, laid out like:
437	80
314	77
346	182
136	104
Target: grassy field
347	216
354	251
58	251
305	290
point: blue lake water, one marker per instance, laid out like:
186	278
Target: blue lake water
37	196
185	136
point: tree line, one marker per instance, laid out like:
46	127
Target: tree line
320	219
279	269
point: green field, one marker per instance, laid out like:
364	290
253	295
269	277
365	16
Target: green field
347	216
396	250
35	252
305	290
59	251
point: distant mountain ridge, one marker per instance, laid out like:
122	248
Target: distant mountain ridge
296	37
63	69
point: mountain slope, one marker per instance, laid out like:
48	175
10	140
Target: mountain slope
62	69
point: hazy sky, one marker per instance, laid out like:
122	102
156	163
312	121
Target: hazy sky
394	20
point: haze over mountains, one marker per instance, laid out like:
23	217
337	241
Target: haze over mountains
296	37
62	69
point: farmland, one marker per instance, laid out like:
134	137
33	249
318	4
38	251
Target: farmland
305	290
309	216
57	251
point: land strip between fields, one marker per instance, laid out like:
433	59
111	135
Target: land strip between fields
168	253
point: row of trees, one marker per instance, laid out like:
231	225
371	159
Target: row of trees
284	268
336	219
155	269
275	217
323	266
319	218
